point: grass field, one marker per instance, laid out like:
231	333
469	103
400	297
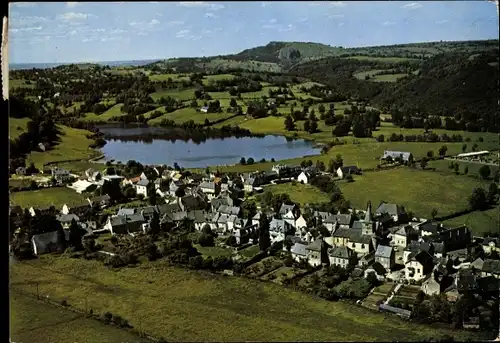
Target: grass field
183	95
213	251
388	78
114	111
80	166
442	166
20	83
173	77
74	145
219	77
189	113
36	321
299	193
17	126
383	59
479	222
182	305
418	191
57	196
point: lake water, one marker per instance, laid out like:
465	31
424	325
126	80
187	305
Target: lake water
212	152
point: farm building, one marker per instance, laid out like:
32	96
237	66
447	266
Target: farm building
406	157
473	154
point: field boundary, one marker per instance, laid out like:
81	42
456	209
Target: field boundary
81	312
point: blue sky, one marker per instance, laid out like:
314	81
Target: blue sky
108	31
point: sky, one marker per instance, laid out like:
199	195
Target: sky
120	31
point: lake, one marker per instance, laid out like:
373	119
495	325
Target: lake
188	154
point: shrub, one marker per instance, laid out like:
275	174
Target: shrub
107	317
64	302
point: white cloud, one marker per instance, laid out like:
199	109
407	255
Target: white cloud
412	6
210	15
175	22
182	33
73	33
273	21
336	16
302	19
143	26
28	21
154	22
201	4
265	4
287	28
388	23
444	21
341	24
75	17
72	4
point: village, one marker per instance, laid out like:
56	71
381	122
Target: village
400	255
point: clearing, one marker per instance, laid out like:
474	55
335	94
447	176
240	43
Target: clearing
201	306
299	193
478	222
57	196
17	126
418	191
30	319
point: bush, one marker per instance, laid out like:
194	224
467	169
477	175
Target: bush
206	240
107	317
64	302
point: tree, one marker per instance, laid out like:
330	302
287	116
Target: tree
264	237
434	213
456	167
233	102
289	123
206	240
180	192
243	161
249	209
307	125
492	193
380	138
485	172
478	199
430	154
250	160
75	235
423	162
464	147
466	170
154	225
313	126
443	150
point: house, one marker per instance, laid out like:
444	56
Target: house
367	259
455	238
141	187
220	201
204	109
41	210
43	146
126	211
147	212
81	186
404	235
80	209
342	256
285	209
15	211
490	244
125	224
93	175
20	171
418	266
304	177
385	255
341	236
100	201
300	223
377	269
279	229
229	210
173	187
361	244
491	268
344	221
66	219
289	217
210	189
192	202
61	175
316	252
430	228
393	210
342	172
431	286
406	157
298	251
327	219
46	242
466	281
415	247
112	178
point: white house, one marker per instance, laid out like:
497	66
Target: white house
143	176
300	223
289	217
304	177
342	172
298	251
209	188
204	109
418	266
141	187
80	186
342	256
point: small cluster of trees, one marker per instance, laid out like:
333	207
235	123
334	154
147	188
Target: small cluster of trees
480	199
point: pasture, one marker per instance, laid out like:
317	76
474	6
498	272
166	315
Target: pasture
185	114
383	59
114	111
21	83
201	306
299	193
17	126
73	145
479	222
418	191
183	94
30	320
56	196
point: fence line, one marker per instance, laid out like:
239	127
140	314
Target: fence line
62	303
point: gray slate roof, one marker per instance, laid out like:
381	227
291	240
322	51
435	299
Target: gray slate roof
299	249
340	252
391	209
143	182
285	208
383	251
491	266
67	218
126	211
